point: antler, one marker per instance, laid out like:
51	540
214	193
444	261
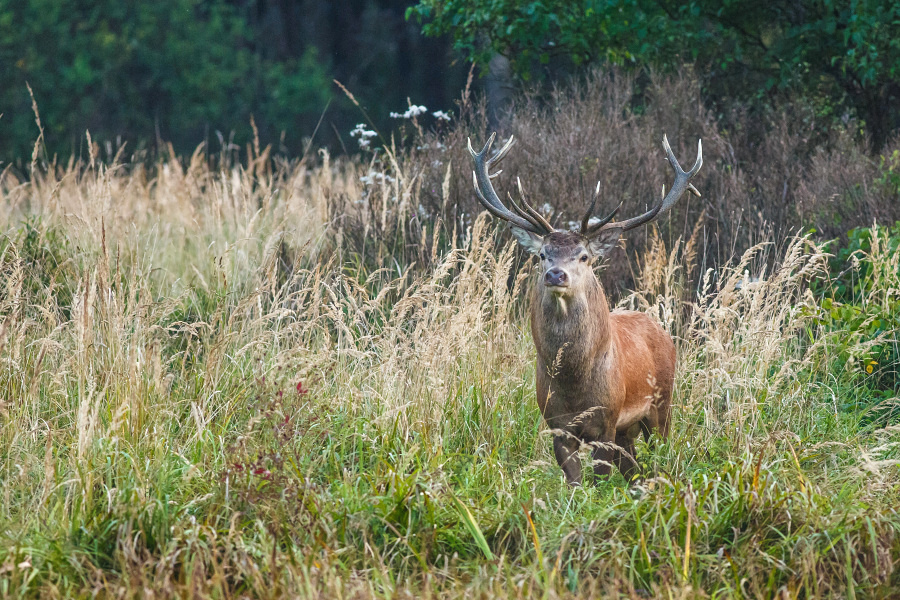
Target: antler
682	184
524	217
586	228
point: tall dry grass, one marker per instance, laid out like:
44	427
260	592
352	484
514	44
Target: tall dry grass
273	379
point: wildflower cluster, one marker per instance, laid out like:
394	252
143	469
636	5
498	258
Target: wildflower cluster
372	177
414	111
364	135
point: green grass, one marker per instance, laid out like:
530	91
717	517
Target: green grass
182	417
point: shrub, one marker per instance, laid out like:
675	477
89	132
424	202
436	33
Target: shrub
862	305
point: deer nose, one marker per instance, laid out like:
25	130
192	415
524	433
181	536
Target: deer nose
557	277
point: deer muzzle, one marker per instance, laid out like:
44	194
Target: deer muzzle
556	277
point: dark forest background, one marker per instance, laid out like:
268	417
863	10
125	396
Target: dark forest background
146	74
188	71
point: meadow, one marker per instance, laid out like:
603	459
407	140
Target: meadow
237	374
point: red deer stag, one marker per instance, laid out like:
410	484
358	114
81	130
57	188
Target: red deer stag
602	377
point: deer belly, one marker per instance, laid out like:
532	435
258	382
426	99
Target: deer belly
633	412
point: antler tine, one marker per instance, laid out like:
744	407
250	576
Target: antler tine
682	183
586	227
682	178
599	225
538	222
501	154
528	213
535	215
522	212
674	161
488	197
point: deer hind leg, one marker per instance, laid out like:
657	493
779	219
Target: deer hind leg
664	414
565	448
657	420
649	425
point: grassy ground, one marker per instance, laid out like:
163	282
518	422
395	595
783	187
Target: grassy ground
210	390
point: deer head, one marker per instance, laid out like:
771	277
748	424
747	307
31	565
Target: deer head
567	257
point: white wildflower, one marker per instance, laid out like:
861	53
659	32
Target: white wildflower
441	115
412	112
363	134
373	178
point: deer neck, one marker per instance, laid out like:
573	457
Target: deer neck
571	332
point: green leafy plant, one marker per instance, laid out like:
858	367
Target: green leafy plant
126	71
845	53
862	305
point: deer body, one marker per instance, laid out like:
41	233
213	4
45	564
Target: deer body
603	377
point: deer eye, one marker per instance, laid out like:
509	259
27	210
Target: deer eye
584	258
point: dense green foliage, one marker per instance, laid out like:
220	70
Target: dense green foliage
861	304
189	71
181	69
835	52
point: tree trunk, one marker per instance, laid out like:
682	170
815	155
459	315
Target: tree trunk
498	87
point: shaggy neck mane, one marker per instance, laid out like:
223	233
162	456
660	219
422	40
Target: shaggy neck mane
574	329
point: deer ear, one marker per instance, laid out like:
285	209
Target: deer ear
603	241
529	240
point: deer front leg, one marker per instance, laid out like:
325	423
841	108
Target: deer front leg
598	431
625	458
602	458
602	437
565	448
